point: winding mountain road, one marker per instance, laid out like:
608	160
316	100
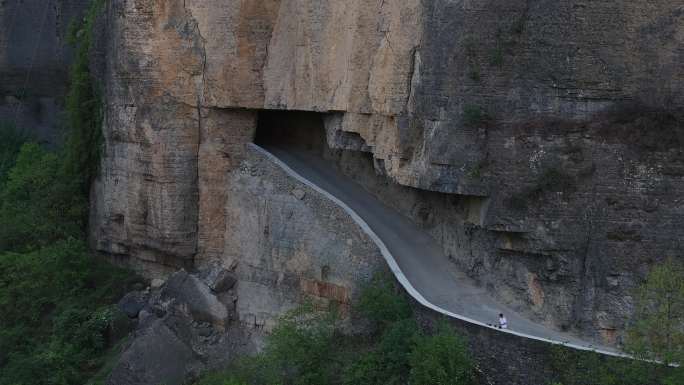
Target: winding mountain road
414	256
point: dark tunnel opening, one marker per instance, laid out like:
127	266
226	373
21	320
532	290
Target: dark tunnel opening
301	130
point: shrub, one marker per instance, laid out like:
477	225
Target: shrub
38	205
11	140
388	363
442	359
54	313
474	74
496	57
381	304
552	179
474	116
220	378
302	347
658	330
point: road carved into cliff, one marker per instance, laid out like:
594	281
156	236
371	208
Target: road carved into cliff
414	257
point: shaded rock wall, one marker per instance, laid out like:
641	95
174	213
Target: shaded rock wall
554	124
34	62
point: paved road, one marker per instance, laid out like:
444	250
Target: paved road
417	254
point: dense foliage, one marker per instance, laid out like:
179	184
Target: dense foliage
307	348
38	203
11	140
658	329
57	321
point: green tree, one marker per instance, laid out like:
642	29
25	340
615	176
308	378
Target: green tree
54	313
657	332
441	359
658	328
388	363
381	304
302	347
11	140
38	205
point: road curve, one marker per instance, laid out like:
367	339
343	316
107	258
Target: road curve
414	256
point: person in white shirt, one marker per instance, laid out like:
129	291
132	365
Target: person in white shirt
503	323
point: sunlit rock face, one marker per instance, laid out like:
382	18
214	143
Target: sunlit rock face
538	142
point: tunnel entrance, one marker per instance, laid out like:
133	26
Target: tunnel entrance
301	130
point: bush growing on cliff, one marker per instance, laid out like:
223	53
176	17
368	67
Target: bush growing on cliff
83	142
56	317
307	348
38	204
379	303
11	140
474	116
54	314
552	179
54	297
658	330
387	362
441	359
303	349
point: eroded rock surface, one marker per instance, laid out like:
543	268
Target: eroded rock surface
539	142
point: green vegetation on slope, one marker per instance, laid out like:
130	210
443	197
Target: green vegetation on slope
56	318
57	321
307	348
11	140
39	205
658	330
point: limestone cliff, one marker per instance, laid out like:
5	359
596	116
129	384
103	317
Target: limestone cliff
538	141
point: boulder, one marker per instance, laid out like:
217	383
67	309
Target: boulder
155	356
132	303
219	279
299	194
192	296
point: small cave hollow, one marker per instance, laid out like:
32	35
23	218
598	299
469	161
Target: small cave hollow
301	130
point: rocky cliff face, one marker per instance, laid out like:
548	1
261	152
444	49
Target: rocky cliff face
538	141
34	62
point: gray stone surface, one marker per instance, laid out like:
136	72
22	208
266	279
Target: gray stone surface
187	293
174	341
132	303
283	250
34	62
156	356
218	279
